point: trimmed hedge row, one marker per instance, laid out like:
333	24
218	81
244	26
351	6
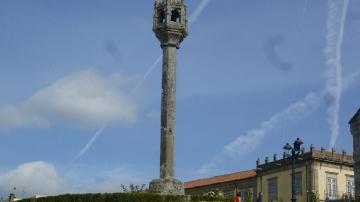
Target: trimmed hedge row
123	197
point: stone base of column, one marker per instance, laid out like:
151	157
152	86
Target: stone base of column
167	187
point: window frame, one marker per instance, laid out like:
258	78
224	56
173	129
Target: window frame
350	180
273	192
298	183
332	185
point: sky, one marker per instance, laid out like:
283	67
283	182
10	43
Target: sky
80	85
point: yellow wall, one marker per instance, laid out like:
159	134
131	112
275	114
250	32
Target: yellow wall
284	181
342	172
284	185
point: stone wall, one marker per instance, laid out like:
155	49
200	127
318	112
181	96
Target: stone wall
355	131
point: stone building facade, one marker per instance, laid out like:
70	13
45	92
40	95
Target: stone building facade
355	131
327	174
243	183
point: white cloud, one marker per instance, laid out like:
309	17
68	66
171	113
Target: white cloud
42	178
337	11
254	137
95	179
33	178
154	115
83	98
13	116
117	177
295	111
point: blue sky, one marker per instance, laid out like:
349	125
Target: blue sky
252	75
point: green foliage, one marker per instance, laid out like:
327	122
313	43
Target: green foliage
208	197
216	195
133	188
313	197
123	197
249	198
347	197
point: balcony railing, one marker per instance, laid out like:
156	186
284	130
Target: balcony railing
338	195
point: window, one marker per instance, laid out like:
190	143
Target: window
298	183
350	186
332	186
229	195
161	16
243	194
175	16
273	189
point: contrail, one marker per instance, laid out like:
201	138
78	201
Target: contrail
193	17
306	3
294	112
89	144
148	72
337	11
199	9
305	7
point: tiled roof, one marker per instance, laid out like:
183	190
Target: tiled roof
220	179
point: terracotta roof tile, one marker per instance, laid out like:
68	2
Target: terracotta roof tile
220	179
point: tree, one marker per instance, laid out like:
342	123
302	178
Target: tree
314	197
133	188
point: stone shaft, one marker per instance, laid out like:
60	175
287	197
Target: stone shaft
168	113
170	27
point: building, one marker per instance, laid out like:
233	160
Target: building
355	131
327	174
13	198
243	183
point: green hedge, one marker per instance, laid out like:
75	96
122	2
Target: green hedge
123	197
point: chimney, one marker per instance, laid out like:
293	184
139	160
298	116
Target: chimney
12	197
333	151
266	160
312	148
258	162
322	149
275	157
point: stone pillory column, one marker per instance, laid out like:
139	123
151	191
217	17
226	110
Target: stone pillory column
170	27
355	131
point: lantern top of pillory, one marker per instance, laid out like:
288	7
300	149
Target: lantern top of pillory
170	18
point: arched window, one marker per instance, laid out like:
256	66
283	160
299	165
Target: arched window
175	16
161	16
